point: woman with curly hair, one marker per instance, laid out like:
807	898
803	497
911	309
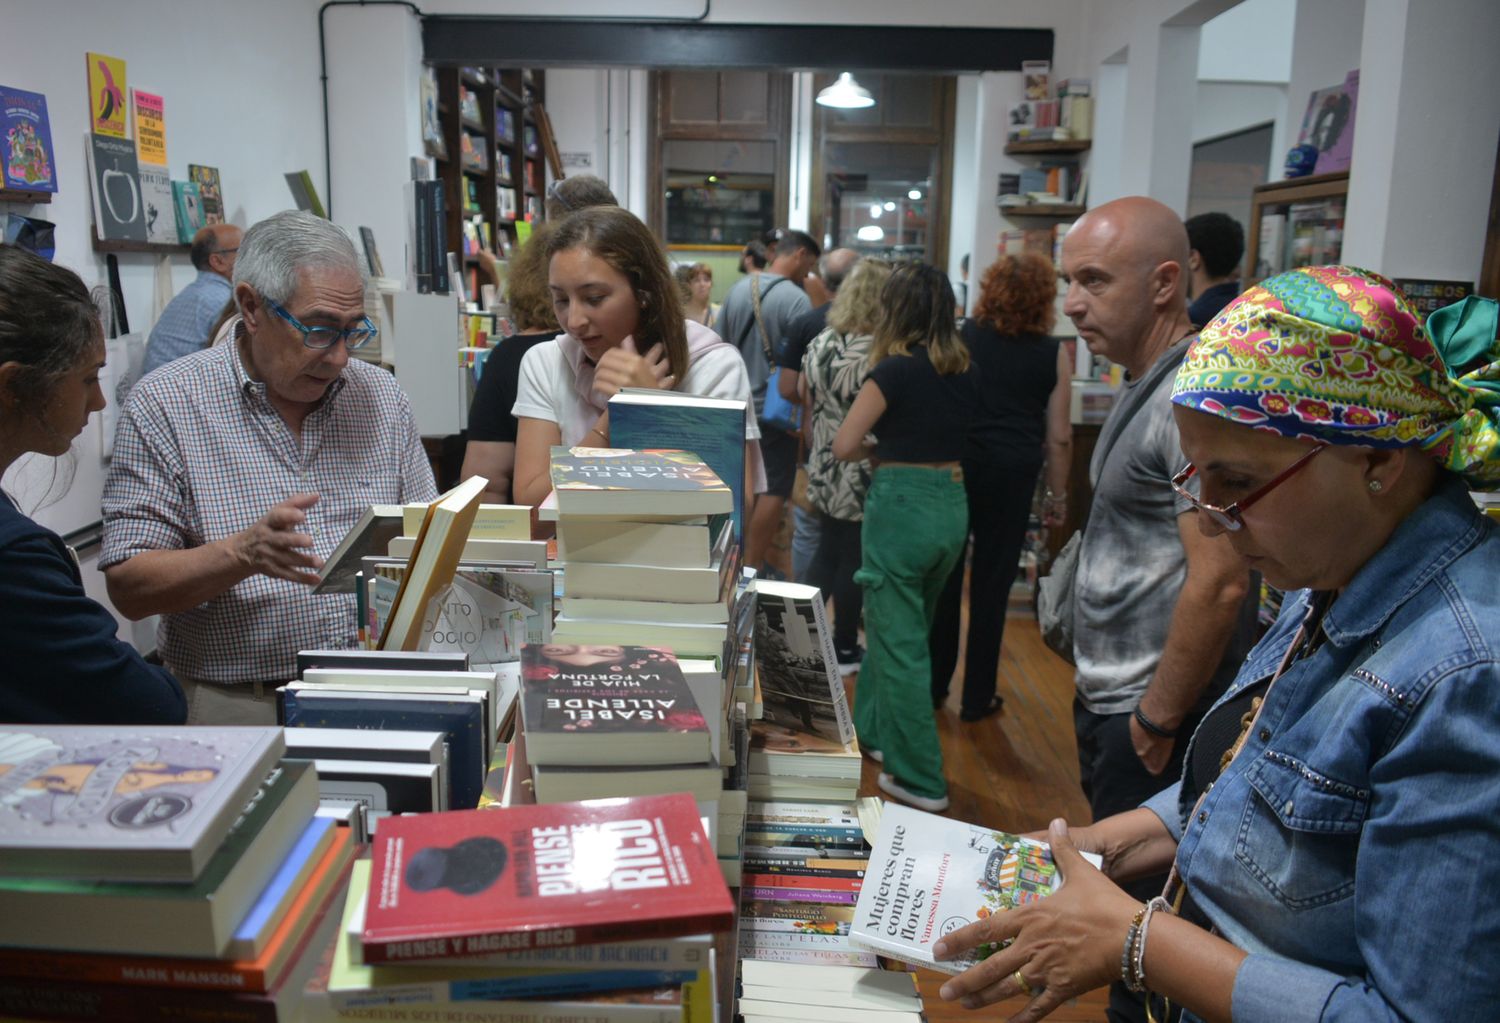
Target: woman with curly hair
1026	388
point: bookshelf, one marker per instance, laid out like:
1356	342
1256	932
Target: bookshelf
1296	222
1065	154
495	133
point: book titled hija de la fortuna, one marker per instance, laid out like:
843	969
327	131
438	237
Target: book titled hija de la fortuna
929	876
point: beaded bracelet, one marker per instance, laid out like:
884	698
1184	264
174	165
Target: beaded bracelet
1127	957
1138	960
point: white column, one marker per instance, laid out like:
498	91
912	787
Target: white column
968	192
1161	87
1425	134
995	92
799	155
374	121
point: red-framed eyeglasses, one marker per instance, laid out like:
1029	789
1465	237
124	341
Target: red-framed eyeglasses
1229	518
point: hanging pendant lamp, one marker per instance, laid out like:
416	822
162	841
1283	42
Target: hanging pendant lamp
846	94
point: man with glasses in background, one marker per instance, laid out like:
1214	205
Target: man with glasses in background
1162	620
236	470
186	322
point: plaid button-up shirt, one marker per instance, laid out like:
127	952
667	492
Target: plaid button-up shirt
201	454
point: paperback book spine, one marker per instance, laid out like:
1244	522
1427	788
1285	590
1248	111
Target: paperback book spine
411	949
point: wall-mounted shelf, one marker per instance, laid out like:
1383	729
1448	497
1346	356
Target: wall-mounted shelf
1042	147
120	245
18	195
1044	209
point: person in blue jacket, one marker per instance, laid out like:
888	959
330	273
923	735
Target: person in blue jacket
1334	841
60	662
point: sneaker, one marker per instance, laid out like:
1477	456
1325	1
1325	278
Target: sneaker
873	754
891	787
850	660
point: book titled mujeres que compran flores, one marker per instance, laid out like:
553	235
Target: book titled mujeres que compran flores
447	885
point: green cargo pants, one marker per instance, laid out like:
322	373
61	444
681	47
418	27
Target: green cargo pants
915	524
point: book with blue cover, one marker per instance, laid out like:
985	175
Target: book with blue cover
711	428
27	161
462	719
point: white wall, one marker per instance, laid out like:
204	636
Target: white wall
1424	139
249	105
376	123
970	195
1251	42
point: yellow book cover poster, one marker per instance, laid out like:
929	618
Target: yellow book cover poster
150	128
107	95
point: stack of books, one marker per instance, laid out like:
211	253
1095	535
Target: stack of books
803	747
648	549
398	691
602	910
838	994
615	721
804	869
155	874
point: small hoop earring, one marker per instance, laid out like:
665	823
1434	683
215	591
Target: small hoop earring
1376	486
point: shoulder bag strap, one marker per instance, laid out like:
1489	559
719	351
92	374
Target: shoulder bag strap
760	324
1148	387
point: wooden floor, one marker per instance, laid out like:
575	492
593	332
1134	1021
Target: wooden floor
1014	771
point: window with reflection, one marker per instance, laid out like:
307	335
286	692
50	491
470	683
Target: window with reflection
721	161
882	174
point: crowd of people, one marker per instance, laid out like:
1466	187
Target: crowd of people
1268	810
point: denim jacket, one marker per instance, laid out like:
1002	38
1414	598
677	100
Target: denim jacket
1353	846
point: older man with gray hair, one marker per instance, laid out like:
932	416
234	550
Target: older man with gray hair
237	469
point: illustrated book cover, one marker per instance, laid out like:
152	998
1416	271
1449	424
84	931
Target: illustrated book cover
124	803
602	705
189	205
27	160
107	110
160	208
207	180
509	879
119	213
621	483
1328	124
711	428
799	678
930	875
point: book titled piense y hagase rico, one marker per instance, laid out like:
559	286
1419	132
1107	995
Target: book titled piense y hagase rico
124	804
448	885
627	484
930	875
596	706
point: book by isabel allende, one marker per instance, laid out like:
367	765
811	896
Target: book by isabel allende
124	804
624	483
588	706
930	875
447	885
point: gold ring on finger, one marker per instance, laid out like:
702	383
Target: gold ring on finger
1023	982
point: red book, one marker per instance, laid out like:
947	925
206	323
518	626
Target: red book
472	882
822	884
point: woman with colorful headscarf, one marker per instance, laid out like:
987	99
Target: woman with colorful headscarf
1335	837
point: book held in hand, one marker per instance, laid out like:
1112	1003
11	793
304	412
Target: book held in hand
608	705
449	885
930	875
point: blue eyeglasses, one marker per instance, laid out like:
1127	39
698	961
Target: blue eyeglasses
319	338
